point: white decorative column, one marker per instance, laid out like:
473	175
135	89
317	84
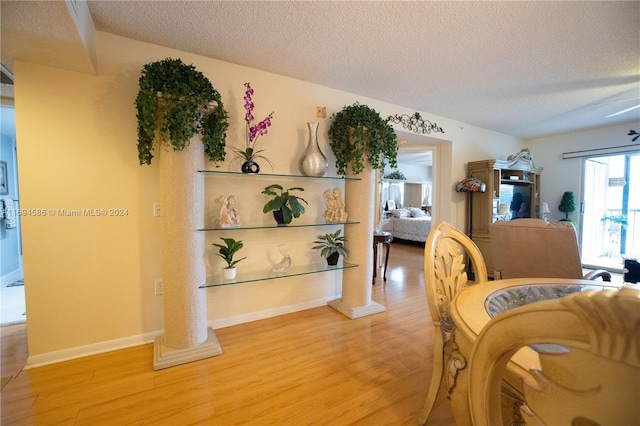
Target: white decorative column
186	337
356	282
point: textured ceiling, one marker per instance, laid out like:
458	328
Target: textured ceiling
525	69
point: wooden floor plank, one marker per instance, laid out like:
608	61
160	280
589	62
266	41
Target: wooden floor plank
303	368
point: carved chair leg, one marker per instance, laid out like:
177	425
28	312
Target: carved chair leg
436	377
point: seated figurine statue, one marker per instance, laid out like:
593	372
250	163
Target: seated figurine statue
335	212
229	216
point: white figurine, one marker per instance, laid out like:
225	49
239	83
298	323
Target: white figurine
229	216
335	206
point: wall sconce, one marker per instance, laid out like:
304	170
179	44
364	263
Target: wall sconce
471	184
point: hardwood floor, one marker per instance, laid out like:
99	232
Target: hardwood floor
309	367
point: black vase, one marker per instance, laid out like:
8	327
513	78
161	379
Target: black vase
250	167
279	217
333	258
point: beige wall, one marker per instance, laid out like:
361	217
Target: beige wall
566	175
90	279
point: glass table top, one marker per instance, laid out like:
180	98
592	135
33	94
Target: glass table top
512	297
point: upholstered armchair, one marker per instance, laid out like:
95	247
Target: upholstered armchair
534	248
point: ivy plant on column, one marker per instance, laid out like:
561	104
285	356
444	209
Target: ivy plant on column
362	143
180	112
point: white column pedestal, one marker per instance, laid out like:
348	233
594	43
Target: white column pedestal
356	282
186	337
165	356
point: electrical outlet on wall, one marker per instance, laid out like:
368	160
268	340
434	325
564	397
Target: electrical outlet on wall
158	288
156	209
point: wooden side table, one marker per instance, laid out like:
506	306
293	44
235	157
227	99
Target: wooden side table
384	238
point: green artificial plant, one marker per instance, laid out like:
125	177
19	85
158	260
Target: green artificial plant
567	204
228	250
330	244
177	101
284	201
397	175
358	134
619	219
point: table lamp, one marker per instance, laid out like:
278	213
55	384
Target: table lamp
544	211
471	185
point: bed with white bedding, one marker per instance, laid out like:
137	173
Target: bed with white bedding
410	224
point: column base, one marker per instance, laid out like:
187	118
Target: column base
165	357
359	312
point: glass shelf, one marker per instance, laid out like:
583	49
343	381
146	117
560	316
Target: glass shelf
291	225
223	172
253	276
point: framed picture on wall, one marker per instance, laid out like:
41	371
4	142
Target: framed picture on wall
4	180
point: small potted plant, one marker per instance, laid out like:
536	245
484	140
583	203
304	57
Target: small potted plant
567	205
284	205
617	221
396	175
358	134
331	246
227	252
177	101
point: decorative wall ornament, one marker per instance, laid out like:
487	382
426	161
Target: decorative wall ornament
416	123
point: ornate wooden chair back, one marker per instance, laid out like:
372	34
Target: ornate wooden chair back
592	377
444	276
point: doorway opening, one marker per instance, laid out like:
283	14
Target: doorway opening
13	309
610	212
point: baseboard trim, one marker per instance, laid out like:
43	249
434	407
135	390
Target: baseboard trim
267	313
88	350
142	339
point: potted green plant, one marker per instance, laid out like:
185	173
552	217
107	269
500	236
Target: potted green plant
567	205
176	101
620	219
358	134
226	252
284	205
331	246
396	175
617	222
